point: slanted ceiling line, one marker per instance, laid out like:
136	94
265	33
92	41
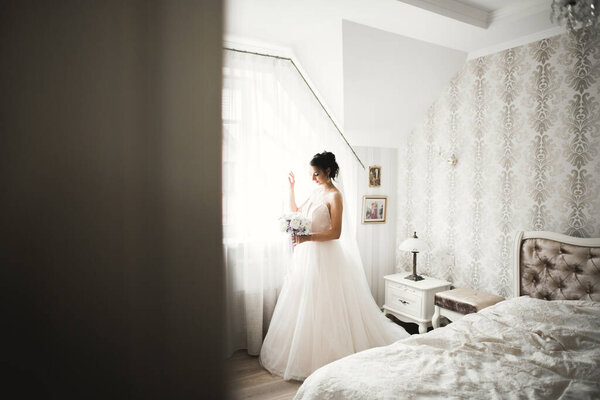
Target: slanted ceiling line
309	88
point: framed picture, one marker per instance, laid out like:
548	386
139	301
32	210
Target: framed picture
374	209
374	176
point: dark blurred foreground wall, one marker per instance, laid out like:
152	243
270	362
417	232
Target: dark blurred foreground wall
110	210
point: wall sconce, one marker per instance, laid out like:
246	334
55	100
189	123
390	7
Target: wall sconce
451	159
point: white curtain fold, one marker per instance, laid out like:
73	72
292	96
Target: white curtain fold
272	124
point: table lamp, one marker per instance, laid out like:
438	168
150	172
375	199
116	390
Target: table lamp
414	245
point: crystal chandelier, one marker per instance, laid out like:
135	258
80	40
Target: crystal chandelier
576	14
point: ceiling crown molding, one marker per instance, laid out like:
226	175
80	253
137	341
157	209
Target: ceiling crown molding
534	37
480	17
454	9
519	10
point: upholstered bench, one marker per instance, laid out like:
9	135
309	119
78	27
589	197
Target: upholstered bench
456	303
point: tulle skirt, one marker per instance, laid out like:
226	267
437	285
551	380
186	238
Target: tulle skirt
325	312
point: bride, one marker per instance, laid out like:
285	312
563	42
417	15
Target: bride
325	310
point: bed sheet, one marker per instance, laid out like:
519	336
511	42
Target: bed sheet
521	348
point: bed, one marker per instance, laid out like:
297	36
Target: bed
542	344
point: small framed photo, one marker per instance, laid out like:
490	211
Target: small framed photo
374	176
374	209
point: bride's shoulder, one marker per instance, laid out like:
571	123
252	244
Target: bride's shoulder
334	194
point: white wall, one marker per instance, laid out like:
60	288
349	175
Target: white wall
389	81
320	55
377	241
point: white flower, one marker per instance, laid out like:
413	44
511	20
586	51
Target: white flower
283	225
294	223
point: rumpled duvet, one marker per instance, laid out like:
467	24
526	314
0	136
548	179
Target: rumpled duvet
521	348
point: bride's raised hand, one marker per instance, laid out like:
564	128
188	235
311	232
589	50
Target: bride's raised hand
291	179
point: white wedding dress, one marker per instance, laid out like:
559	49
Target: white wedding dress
325	310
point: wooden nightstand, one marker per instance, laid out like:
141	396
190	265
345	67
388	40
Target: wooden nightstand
412	301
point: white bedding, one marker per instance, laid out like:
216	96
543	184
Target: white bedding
521	348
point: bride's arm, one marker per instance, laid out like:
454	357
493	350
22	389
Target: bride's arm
336	209
302	206
293	206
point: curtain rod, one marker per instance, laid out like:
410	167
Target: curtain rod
309	87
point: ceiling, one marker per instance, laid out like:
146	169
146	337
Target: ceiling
471	26
311	31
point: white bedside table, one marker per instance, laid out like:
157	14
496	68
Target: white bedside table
412	301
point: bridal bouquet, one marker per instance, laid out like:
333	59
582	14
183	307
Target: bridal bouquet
295	224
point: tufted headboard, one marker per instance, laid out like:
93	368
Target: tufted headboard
553	266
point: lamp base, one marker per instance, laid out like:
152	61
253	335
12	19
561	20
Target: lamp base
414	277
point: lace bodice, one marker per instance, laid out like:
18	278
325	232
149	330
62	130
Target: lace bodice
318	212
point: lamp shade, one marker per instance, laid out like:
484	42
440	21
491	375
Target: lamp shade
414	244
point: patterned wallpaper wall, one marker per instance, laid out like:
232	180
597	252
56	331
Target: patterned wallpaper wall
524	125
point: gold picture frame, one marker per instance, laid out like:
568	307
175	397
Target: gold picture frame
374	209
374	176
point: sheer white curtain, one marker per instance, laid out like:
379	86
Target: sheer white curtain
272	124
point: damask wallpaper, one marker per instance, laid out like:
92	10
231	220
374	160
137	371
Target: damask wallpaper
524	125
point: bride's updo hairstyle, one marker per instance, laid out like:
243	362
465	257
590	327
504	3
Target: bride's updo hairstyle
326	160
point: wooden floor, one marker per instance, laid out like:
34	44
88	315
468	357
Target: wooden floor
248	380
